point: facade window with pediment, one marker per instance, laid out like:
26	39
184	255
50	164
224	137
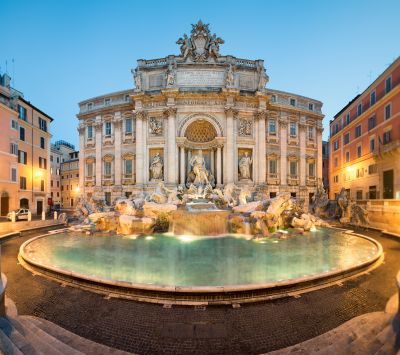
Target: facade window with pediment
272	127
107	128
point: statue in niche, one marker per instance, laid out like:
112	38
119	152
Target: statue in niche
138	80
171	73
245	166
156	167
230	79
244	127
155	126
198	165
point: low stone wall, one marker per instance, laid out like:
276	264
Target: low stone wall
383	214
9	227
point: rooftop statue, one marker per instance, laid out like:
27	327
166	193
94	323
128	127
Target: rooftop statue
201	45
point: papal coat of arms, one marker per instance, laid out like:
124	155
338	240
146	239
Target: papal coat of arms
201	45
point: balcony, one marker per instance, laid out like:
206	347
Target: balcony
311	181
128	179
108	180
273	179
311	143
90	142
292	180
391	148
108	140
90	180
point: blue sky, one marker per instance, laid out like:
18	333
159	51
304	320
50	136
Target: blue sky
68	51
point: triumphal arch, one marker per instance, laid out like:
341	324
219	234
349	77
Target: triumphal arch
198	117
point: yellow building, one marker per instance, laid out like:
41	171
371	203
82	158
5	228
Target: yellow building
70	181
30	147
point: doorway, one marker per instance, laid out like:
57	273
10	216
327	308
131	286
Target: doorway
39	207
5	199
388	178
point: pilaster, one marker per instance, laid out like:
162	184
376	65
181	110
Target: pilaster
283	146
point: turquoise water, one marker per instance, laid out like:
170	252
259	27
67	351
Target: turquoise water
190	261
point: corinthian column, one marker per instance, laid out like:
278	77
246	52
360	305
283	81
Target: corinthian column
283	144
139	147
171	145
230	139
261	147
219	165
99	131
319	148
117	147
182	167
82	132
302	138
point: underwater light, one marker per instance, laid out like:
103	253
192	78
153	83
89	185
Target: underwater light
149	237
186	238
313	229
283	231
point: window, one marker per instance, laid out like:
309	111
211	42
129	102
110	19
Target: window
359	109
336	178
372	192
107	168
336	128
89	132
372	98
22	112
346	138
359	194
128	126
51	183
292	102
22	183
372	145
347	118
311	107
62	187
51	158
14	148
293	129
360	172
14	174
41	185
42	163
293	194
42	142
388	111
58	194
272	166
273	98
358	131
310	133
127	98
128	167
22	133
372	169
22	157
336	162
89	106
58	160
336	144
272	127
311	170
388	84
386	137
359	151
371	122
42	124
272	194
58	184
57	171
14	124
347	157
108	129
293	168
107	102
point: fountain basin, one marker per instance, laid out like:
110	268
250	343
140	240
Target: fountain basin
187	269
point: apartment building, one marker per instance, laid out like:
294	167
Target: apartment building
70	190
27	135
365	141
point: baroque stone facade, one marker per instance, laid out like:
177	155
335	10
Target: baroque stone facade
200	117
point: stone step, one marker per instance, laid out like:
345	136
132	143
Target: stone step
7	346
74	341
42	342
16	337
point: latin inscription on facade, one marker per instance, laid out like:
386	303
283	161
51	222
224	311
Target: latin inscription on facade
200	78
155	80
246	81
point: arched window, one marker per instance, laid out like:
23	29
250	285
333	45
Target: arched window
23	203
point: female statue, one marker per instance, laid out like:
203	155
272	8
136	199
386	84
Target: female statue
156	167
244	166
